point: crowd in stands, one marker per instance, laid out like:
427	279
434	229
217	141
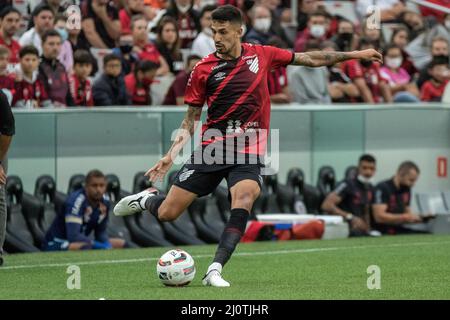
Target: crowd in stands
112	52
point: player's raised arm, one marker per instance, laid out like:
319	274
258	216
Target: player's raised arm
325	58
187	129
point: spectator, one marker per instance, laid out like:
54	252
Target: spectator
366	76
29	91
124	52
66	54
309	85
109	89
52	73
9	25
439	48
131	9
436	14
139	81
277	80
346	39
400	38
84	212
318	25
433	89
168	44
399	81
79	84
100	25
6	79
204	43
43	18
390	10
352	198
275	23
175	94
391	208
261	22
305	9
143	48
341	87
187	21
373	34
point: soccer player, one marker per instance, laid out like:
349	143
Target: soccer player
233	83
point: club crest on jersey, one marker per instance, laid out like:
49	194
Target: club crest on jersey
253	65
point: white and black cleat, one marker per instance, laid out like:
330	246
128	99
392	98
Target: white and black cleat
214	279
134	203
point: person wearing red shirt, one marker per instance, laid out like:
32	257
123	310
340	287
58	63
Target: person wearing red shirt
29	91
187	19
138	83
133	8
79	85
439	15
433	89
9	24
6	79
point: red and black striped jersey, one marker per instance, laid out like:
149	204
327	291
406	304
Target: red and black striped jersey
236	91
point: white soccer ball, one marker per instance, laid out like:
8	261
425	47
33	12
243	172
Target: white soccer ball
176	268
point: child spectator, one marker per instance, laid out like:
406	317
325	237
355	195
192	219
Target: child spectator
29	91
6	80
400	38
66	53
433	89
79	84
138	83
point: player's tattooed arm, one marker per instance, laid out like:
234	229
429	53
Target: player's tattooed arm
328	58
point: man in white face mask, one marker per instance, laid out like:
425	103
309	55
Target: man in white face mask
261	21
352	199
318	25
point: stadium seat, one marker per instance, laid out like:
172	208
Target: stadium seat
18	235
272	204
432	202
212	215
116	225
76	182
223	203
140	182
304	195
33	210
326	181
351	172
197	211
446	196
45	191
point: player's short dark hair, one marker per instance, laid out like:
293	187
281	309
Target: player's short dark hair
30	49
207	8
50	33
437	61
81	56
9	9
227	13
406	166
110	57
95	173
367	158
40	8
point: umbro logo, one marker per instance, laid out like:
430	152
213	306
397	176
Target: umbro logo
253	65
185	175
220	75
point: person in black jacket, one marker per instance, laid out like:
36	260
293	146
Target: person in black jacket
7	130
109	89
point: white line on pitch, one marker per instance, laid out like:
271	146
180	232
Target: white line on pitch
257	253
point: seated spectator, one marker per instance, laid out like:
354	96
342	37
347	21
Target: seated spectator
80	85
138	83
340	87
439	49
391	208
131	9
390	10
124	52
6	79
400	38
346	39
175	94
187	21
109	89
43	19
168	44
143	48
100	24
66	54
275	24
204	43
9	25
399	81
366	76
433	89
29	91
277	79
372	34
85	212
318	25
309	85
52	73
352	198
261	21
305	9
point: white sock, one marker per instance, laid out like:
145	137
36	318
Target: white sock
215	266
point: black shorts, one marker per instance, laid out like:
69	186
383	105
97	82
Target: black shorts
203	179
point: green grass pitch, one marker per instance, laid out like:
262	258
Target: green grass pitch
412	267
